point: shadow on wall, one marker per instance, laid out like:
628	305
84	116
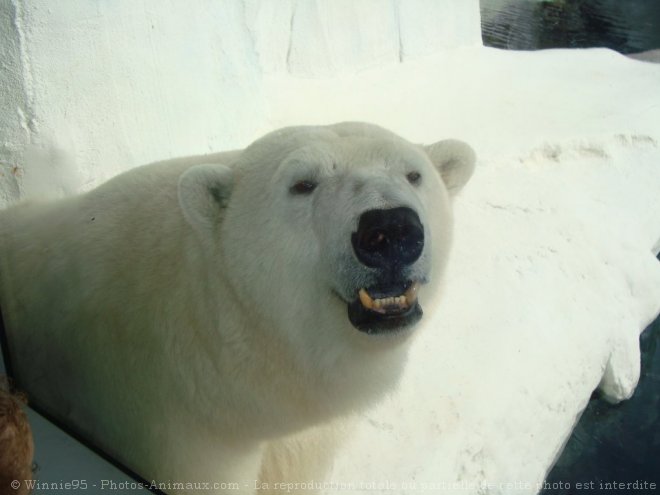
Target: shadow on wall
628	27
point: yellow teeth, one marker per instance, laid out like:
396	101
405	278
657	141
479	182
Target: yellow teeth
365	299
411	293
404	301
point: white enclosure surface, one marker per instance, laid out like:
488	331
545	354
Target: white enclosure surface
553	273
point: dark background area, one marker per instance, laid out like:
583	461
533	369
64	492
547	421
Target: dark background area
627	26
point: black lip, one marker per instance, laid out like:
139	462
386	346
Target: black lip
371	322
389	289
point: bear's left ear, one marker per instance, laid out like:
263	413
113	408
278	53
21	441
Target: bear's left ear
204	192
455	160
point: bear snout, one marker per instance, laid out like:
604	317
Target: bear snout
388	238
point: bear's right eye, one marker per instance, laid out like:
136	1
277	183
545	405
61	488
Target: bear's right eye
303	187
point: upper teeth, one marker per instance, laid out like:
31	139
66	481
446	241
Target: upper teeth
403	301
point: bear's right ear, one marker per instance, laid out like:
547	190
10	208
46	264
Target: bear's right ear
204	192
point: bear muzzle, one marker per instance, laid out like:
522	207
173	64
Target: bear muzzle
387	241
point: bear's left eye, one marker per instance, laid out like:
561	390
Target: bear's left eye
414	178
303	187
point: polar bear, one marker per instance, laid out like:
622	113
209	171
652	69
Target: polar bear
209	319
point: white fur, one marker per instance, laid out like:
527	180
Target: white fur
188	317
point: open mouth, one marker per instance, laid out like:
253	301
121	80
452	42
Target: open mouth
385	309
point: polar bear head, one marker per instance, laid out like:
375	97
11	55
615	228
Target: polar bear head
333	238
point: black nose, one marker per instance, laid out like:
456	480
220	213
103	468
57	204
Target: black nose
388	238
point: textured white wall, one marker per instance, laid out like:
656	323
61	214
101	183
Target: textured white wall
122	83
14	131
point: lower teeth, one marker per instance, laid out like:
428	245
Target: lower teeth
401	302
